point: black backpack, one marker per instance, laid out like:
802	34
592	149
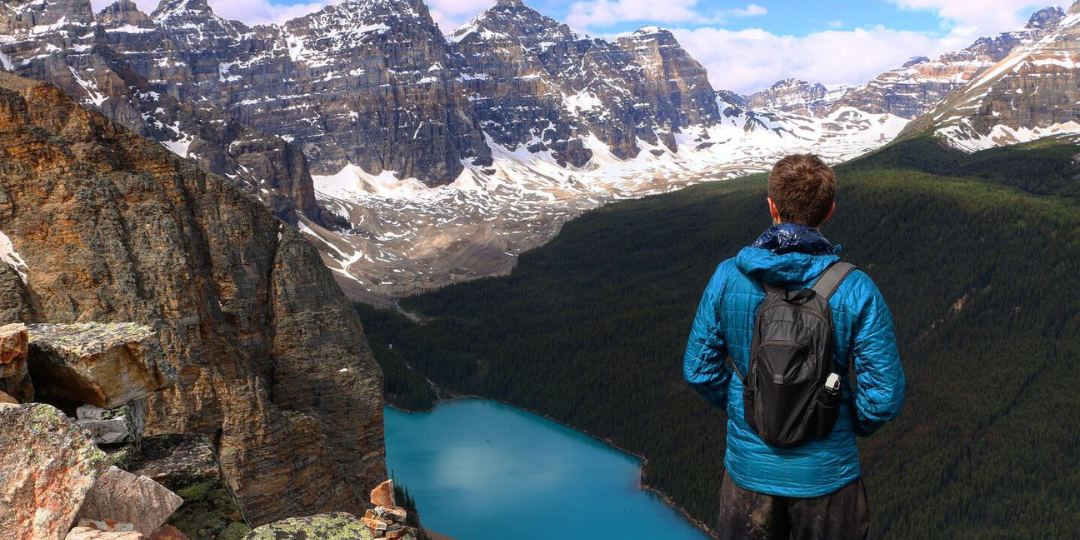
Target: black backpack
785	398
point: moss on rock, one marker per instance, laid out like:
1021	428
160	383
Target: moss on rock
336	526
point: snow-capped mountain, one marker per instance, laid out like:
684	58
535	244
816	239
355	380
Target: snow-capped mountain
443	157
795	95
920	84
119	61
1033	92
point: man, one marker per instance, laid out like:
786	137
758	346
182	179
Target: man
814	490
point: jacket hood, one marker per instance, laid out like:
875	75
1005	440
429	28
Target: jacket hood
787	255
785	270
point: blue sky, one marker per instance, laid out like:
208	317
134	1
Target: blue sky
747	45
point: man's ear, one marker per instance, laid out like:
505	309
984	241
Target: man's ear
773	211
831	211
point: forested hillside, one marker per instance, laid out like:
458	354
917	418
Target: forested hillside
979	257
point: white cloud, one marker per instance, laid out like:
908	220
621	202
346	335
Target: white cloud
586	14
601	13
751	60
967	20
752	10
835	24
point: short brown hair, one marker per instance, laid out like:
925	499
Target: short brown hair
803	188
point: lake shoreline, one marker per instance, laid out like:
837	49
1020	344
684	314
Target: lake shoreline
644	461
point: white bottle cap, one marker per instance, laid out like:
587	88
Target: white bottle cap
833	382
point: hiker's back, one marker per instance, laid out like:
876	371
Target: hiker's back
817	466
786	474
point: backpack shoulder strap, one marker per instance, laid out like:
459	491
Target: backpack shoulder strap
831	279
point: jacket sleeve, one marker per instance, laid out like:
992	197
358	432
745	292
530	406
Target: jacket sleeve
877	365
704	365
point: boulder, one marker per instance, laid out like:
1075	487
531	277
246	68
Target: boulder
19	386
394	513
47	466
375	524
90	533
6	398
168	532
114	426
128	498
383	494
188	466
107	365
12	350
106	525
336	526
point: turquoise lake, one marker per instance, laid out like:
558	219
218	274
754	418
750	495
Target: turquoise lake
481	470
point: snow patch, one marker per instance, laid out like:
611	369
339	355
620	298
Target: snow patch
12	257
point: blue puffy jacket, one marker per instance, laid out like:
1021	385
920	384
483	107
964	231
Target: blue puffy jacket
864	331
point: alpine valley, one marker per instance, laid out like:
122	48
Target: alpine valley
194	201
413	158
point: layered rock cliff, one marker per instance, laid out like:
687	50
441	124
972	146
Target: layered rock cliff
793	95
542	86
274	368
919	85
1031	93
121	64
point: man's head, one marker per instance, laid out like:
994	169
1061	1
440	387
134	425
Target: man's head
802	190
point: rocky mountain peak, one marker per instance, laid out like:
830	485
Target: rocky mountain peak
1074	9
29	13
512	19
662	36
793	95
1045	18
650	31
400	8
121	6
124	12
915	61
186	7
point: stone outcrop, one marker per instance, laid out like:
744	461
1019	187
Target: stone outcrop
48	466
122	496
107	365
337	526
383	494
14	375
387	520
94	533
274	367
168	532
13	341
124	424
187	466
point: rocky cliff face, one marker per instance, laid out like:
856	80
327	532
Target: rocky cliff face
274	369
1031	93
363	82
116	62
792	95
921	84
544	87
